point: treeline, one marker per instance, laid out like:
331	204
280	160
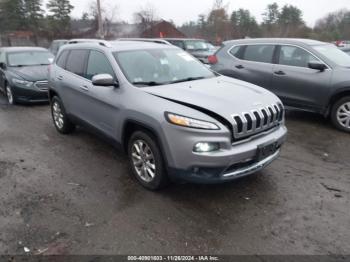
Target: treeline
277	21
29	15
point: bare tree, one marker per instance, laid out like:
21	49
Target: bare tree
146	16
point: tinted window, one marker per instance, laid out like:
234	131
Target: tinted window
236	51
61	61
295	56
259	53
178	43
76	62
98	64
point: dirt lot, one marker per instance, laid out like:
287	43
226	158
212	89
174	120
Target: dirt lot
74	195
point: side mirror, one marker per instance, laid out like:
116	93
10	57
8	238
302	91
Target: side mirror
104	80
3	66
317	66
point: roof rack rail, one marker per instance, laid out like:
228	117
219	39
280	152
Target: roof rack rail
97	41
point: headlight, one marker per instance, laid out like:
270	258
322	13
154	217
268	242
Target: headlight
204	147
190	122
21	82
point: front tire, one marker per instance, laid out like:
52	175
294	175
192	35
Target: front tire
60	118
11	99
341	114
146	161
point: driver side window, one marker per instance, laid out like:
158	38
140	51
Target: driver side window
295	56
98	64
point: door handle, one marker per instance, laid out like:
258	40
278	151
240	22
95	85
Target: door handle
84	88
239	66
280	73
60	78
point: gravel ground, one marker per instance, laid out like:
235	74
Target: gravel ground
74	195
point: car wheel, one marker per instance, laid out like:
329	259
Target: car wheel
60	118
341	114
9	94
146	161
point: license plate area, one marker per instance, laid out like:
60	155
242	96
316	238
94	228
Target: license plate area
266	150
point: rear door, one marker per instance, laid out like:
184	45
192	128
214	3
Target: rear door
295	83
253	63
73	83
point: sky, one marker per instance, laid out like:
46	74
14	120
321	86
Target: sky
181	11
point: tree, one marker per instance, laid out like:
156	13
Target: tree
334	26
291	21
12	15
146	16
33	14
59	15
244	24
272	14
218	24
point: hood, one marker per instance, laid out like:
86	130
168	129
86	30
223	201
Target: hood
30	73
221	95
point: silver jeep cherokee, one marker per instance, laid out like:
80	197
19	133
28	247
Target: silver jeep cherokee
174	117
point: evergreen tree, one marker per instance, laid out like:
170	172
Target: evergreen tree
33	14
59	15
12	15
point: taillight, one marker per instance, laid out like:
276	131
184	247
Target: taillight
212	59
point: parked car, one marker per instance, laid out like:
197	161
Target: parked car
173	116
346	50
23	73
56	45
305	74
342	43
199	48
152	40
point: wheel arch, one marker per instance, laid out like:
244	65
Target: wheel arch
130	126
335	97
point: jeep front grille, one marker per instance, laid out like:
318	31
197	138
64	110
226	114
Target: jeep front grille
256	121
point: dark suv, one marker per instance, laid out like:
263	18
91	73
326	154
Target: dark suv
305	74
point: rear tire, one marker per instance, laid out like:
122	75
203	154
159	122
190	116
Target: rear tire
60	118
340	114
146	161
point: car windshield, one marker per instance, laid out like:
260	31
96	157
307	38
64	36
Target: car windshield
160	66
334	54
29	58
196	45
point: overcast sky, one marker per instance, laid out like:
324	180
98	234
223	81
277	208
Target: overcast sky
181	11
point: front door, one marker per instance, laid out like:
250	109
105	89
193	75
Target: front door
298	85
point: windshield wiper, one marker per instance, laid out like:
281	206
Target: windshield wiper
187	79
149	83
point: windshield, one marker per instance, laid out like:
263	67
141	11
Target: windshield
29	58
160	67
196	45
334	54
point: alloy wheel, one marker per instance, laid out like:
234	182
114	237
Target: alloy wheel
9	95
343	115
143	160
57	115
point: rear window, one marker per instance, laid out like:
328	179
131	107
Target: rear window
236	51
76	62
259	53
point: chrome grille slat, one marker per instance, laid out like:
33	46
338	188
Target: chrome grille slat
251	123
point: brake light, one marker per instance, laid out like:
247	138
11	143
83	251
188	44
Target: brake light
212	59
